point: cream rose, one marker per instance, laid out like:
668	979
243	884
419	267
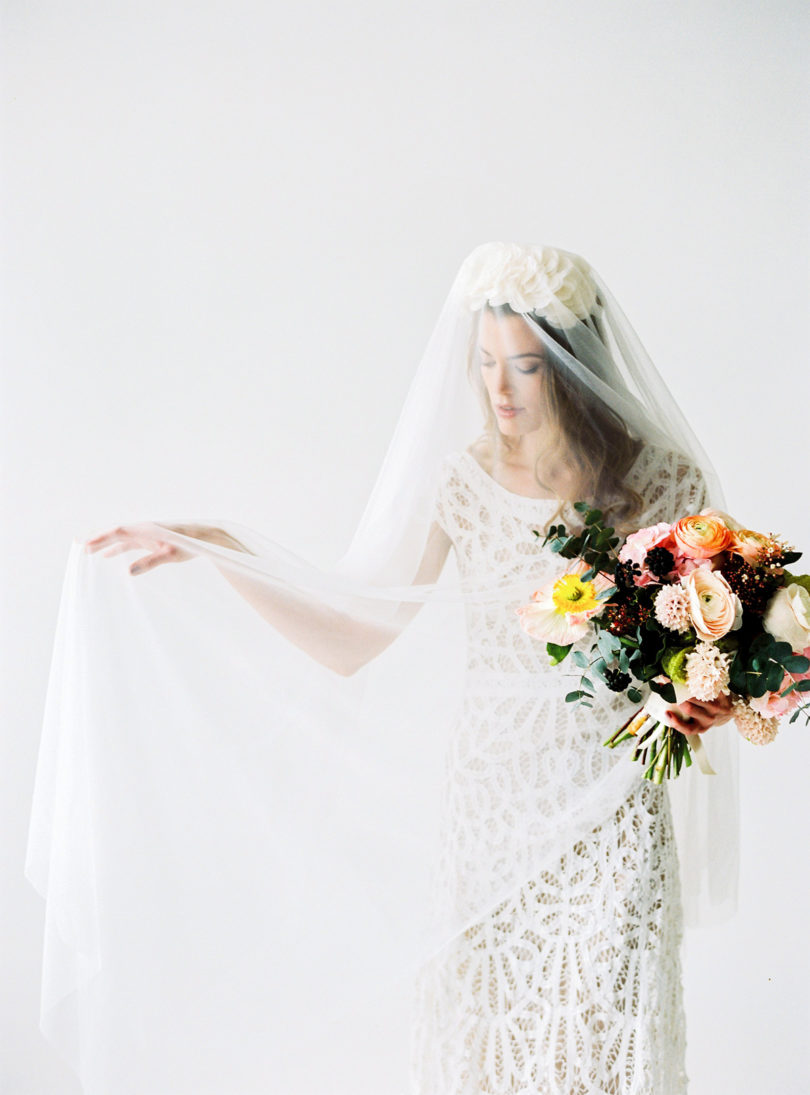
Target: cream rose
787	616
551	283
714	608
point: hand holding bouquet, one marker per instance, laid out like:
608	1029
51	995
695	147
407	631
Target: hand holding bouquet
699	609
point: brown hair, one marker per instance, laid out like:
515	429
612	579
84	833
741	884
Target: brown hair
587	436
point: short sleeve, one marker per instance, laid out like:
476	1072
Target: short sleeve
453	498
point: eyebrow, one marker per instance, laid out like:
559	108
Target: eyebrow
513	357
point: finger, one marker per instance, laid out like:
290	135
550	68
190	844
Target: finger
710	707
699	715
104	538
686	724
117	549
146	562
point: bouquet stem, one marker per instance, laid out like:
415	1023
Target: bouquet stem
660	748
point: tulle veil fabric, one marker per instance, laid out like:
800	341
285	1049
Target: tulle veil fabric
240	845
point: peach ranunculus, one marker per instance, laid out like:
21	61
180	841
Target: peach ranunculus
701	537
637	544
749	544
714	608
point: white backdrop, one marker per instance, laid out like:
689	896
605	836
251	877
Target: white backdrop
196	195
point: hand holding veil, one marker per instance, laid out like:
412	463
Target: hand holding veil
250	838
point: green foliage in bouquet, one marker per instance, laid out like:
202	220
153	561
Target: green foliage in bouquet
629	644
630	647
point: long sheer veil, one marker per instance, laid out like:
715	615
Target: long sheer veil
239	842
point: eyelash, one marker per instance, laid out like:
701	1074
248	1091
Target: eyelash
526	372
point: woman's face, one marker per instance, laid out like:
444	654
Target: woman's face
513	367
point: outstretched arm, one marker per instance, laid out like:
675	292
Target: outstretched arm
338	640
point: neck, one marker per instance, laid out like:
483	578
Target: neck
530	450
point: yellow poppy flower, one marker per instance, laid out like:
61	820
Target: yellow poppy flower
571	594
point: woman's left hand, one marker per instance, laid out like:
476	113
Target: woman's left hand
696	716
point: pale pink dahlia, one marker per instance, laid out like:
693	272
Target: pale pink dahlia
754	727
707	672
672	607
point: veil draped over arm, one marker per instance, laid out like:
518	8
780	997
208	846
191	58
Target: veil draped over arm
238	819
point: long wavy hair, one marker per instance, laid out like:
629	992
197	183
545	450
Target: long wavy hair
585	435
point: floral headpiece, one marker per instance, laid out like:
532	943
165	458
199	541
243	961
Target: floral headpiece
529	278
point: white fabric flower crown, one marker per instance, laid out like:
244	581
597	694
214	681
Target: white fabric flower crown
529	278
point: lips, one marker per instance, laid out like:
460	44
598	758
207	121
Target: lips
507	410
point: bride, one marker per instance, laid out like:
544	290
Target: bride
506	888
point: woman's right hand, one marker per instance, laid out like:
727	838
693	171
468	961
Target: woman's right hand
143	538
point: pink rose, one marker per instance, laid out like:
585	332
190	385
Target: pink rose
714	608
639	543
685	564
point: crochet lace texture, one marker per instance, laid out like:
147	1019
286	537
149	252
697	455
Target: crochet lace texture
571	984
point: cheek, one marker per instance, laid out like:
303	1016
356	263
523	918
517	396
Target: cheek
533	395
487	379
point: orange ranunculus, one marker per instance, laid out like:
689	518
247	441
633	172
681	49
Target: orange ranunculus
701	537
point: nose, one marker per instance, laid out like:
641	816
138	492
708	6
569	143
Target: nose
503	379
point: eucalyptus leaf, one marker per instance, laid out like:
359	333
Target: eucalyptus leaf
598	669
773	676
796	663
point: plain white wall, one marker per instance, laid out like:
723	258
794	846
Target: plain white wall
228	229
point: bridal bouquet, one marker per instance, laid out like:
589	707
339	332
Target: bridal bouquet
689	610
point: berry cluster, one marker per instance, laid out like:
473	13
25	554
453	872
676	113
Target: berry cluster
753	586
775	553
625	575
623	617
616	680
659	561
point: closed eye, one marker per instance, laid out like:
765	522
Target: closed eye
526	372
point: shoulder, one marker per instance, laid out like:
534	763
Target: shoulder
455	466
481	452
456	490
669	483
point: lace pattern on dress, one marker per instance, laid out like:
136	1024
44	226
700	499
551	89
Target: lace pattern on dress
571	985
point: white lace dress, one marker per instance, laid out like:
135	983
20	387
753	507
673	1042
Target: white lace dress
571	985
